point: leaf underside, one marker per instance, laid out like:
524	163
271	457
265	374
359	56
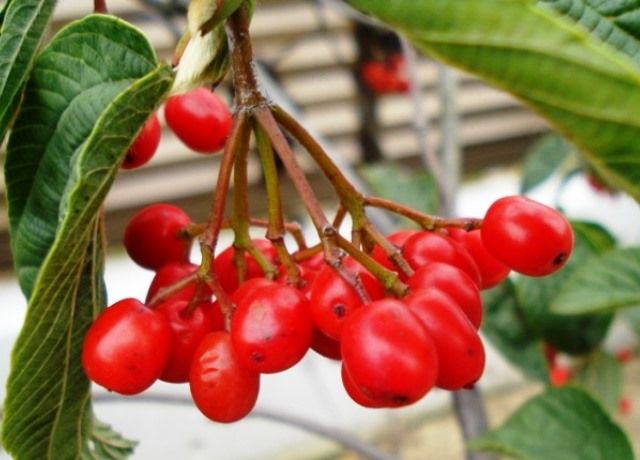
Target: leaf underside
23	23
90	92
575	62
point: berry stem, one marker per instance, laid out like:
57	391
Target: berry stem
392	252
350	197
388	278
426	221
166	292
100	6
276	228
248	96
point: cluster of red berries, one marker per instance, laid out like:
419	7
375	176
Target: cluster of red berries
199	118
387	76
393	351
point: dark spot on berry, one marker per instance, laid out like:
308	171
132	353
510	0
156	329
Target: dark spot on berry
257	356
399	399
339	310
560	258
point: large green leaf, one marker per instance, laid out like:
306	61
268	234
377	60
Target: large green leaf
504	325
584	80
75	78
572	334
602	284
100	72
542	160
23	23
601	375
560	424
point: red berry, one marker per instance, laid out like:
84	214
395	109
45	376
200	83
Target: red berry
428	247
624	355
325	346
355	393
333	299
306	274
200	119
188	330
460	350
225	267
398	239
453	282
314	263
388	354
127	347
271	329
152	238
559	375
250	286
213	310
144	146
625	406
223	389
492	271
531	238
172	273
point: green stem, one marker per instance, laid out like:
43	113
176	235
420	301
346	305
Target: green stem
276	227
388	278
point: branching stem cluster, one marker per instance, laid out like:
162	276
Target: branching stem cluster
254	113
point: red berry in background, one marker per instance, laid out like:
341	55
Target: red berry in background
333	299
325	346
453	282
271	329
492	271
127	347
559	375
624	355
223	389
398	239
550	354
152	238
200	119
355	393
460	350
188	330
225	267
388	354
531	238
385	77
427	247
625	406
170	274
144	146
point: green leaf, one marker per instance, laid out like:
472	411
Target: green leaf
573	335
584	80
71	171
560	424
504	325
416	189
602	284
74	79
106	444
601	375
632	317
542	160
23	23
